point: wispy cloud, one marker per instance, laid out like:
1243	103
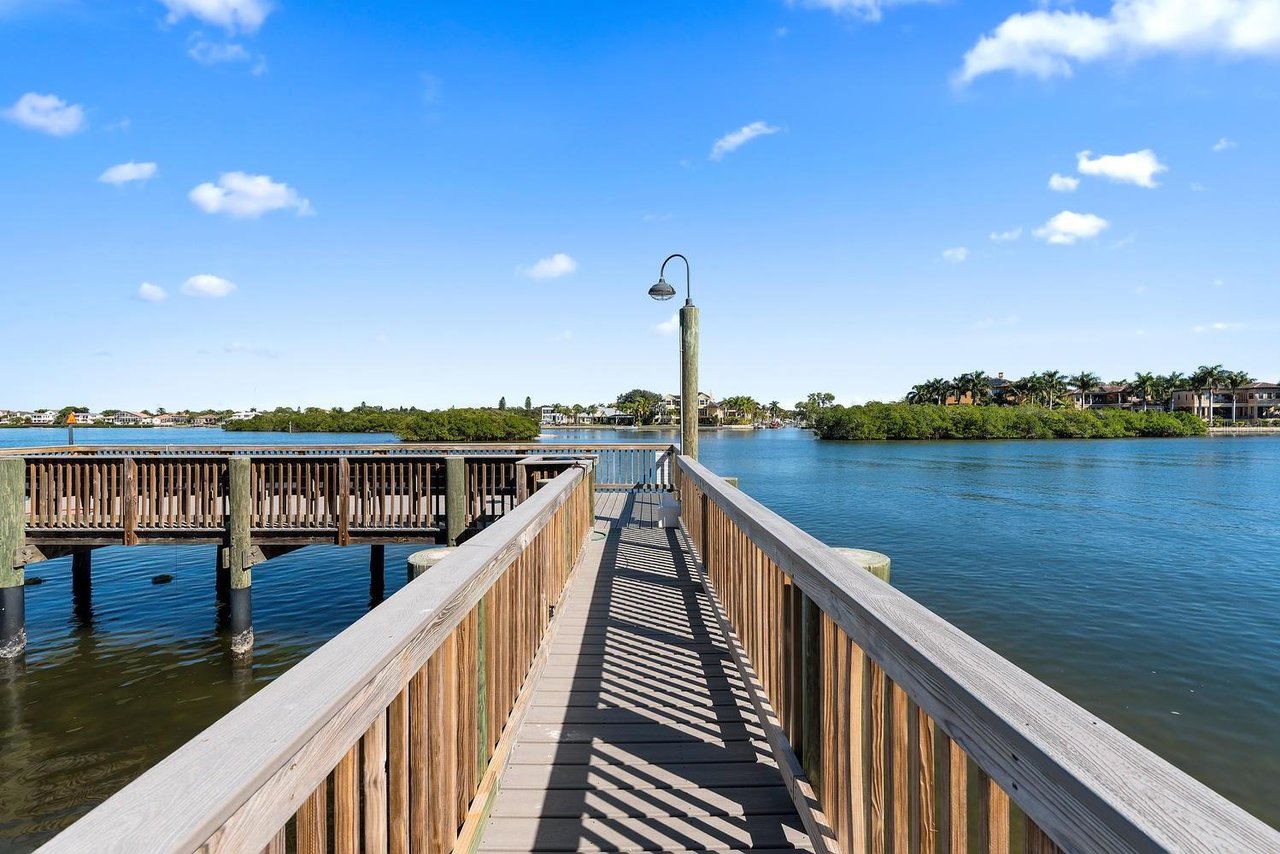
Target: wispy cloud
552	267
244	196
250	349
244	16
1138	167
47	114
208	286
653	217
1007	236
1220	326
1224	144
1063	183
956	254
126	173
731	142
1069	227
1051	42
868	10
151	293
669	326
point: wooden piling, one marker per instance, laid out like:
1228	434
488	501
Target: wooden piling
13	622
689	380
82	584
455	500
377	566
239	557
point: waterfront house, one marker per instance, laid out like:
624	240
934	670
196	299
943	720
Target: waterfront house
710	413
550	417
1258	400
43	417
1109	396
127	419
1000	388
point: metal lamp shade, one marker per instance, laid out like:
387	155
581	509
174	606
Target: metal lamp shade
662	290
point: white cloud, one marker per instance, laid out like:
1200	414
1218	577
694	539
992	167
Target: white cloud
47	114
670	326
733	141
868	10
206	285
1224	144
246	196
1063	183
124	173
232	15
1050	43
553	267
956	254
206	52
1219	283
1197	187
249	349
1068	227
1007	236
1139	167
151	293
1217	327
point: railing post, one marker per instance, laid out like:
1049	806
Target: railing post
129	499
343	491
455	497
239	559
810	747
13	619
483	742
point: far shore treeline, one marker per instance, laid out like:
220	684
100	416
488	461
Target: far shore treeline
931	421
410	424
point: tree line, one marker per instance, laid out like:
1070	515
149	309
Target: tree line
409	423
1053	388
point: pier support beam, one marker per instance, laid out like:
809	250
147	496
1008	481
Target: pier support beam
82	585
239	555
13	618
455	498
377	571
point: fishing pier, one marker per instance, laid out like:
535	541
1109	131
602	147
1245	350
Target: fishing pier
624	652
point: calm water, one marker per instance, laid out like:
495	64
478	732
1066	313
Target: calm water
1138	577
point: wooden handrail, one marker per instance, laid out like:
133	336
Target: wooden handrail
453	647
388	448
1081	783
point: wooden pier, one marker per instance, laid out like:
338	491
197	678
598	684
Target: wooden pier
654	670
261	502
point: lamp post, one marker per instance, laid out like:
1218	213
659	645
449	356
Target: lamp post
688	356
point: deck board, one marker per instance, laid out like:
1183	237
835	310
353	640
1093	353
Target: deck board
639	734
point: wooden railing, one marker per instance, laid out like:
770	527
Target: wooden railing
385	738
912	735
89	496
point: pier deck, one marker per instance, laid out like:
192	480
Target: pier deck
639	734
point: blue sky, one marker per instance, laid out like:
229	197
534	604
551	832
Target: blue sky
442	203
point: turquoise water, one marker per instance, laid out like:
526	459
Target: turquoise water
1138	577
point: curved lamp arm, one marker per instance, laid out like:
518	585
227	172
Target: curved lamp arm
688	290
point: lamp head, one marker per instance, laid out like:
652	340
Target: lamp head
662	290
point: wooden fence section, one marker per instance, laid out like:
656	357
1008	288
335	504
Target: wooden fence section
915	737
381	740
104	496
630	466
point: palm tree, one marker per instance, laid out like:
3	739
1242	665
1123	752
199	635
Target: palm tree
1054	384
1207	377
1147	385
1234	381
1085	382
976	384
918	394
1175	381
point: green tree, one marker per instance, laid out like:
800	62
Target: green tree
1233	381
1207	378
640	403
528	405
502	404
1053	384
1147	385
1085	382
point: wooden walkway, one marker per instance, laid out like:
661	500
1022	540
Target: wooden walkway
639	735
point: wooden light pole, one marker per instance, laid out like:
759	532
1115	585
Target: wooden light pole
688	356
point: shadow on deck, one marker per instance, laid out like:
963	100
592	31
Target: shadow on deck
640	735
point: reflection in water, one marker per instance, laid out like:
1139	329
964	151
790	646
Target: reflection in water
1137	577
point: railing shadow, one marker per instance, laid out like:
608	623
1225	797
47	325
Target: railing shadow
656	702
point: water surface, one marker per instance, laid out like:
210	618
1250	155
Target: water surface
1138	577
